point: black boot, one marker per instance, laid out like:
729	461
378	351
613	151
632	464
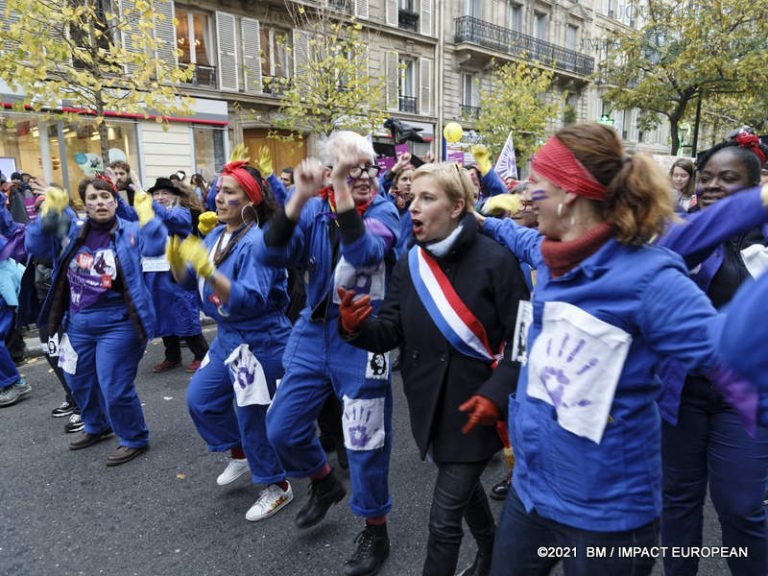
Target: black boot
482	564
323	494
372	551
500	490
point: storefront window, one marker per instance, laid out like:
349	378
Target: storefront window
68	150
210	152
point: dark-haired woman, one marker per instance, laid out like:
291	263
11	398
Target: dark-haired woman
229	395
683	185
584	422
704	440
100	303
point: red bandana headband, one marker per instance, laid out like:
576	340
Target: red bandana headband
556	163
752	143
247	182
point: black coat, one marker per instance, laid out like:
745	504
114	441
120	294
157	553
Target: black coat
436	377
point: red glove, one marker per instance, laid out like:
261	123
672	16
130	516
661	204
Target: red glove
352	313
482	411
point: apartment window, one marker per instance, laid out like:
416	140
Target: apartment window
194	37
472	8
81	34
515	17
274	53
571	33
407	92
408	6
540	25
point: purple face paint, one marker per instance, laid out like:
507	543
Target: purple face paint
233	203
538	194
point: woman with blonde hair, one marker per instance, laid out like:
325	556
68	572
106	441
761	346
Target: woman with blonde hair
608	306
451	305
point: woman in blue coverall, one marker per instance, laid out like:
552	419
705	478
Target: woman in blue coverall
340	235
100	302
229	394
704	440
584	421
177	308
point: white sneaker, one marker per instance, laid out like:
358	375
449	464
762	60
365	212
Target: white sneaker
236	468
271	500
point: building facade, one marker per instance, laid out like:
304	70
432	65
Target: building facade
432	56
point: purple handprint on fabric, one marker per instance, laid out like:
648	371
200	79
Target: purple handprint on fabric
556	379
363	423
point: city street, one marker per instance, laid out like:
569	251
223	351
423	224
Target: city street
65	513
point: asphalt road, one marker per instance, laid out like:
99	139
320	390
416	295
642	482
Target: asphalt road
64	513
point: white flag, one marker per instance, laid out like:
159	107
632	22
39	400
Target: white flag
506	165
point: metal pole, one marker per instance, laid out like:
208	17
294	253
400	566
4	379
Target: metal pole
695	142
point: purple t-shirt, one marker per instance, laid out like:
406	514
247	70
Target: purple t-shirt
92	271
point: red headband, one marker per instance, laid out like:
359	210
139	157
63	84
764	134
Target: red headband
752	143
557	164
245	179
104	178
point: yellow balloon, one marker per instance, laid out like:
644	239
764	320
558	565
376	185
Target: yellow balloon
453	132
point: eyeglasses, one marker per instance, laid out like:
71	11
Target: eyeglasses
371	169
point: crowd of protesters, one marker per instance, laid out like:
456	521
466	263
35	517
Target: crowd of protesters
587	322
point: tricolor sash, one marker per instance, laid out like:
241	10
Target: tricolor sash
456	322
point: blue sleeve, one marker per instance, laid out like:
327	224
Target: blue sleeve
177	220
385	183
210	199
525	243
152	237
7	224
125	210
492	184
701	232
379	235
289	253
743	332
278	189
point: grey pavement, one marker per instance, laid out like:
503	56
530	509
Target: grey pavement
64	513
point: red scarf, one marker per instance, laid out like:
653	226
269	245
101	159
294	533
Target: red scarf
560	257
327	194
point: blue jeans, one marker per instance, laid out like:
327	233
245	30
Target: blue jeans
710	443
458	495
529	545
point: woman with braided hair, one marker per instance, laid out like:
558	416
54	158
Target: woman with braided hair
229	395
703	439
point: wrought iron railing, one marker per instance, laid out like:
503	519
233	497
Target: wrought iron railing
408	20
274	85
202	75
487	35
407	104
470	112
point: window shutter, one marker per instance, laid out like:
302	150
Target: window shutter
9	47
251	35
300	52
425	19
391	14
361	8
425	86
228	72
131	17
392	75
166	31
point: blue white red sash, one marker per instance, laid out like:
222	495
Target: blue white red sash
451	316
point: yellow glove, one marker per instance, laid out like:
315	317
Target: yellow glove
482	158
265	162
56	200
194	253
173	254
206	222
142	203
503	203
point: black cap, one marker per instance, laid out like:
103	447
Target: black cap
164	184
16	176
